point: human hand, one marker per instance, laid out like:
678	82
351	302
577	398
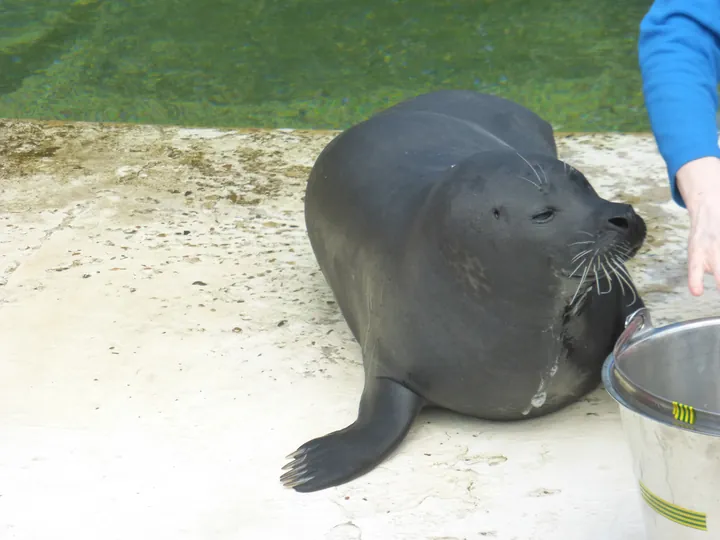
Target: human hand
699	185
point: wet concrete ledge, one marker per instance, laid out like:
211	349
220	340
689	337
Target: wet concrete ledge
166	339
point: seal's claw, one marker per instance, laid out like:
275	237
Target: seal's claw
295	454
323	462
298	482
295	471
292	464
296	478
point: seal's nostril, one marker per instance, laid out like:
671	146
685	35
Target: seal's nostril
620	222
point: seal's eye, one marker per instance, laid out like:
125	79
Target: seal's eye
496	213
544	216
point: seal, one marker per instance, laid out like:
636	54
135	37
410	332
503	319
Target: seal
477	271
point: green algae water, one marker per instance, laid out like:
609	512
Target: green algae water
316	63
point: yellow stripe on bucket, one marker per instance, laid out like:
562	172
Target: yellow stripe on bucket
673	512
683	413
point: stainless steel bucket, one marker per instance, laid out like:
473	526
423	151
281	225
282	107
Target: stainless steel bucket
667	383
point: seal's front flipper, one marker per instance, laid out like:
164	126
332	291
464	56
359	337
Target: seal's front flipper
387	410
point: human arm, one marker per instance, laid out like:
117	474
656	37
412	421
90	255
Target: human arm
679	59
699	185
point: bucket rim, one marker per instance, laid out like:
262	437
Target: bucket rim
639	328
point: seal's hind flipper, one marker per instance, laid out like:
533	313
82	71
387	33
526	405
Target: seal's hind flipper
387	410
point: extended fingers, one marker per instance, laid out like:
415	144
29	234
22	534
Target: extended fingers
703	257
696	266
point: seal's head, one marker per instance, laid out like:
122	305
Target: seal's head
510	218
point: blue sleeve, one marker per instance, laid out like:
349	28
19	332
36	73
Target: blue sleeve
678	53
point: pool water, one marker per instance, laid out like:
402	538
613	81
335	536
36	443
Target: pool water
316	63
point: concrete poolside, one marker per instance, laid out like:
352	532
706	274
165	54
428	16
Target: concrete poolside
166	339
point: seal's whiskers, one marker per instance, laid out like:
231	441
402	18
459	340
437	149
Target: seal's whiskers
576	257
543	173
632	290
611	266
622	274
614	272
607	276
582	279
581	242
623	271
623	249
597	279
532	168
621	266
578	266
528	180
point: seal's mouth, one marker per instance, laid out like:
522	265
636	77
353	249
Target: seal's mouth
599	258
598	250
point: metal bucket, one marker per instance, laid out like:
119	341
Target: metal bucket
667	382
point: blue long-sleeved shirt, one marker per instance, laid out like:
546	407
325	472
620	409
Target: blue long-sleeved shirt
679	54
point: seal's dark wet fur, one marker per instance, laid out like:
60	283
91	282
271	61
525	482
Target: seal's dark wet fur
477	271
